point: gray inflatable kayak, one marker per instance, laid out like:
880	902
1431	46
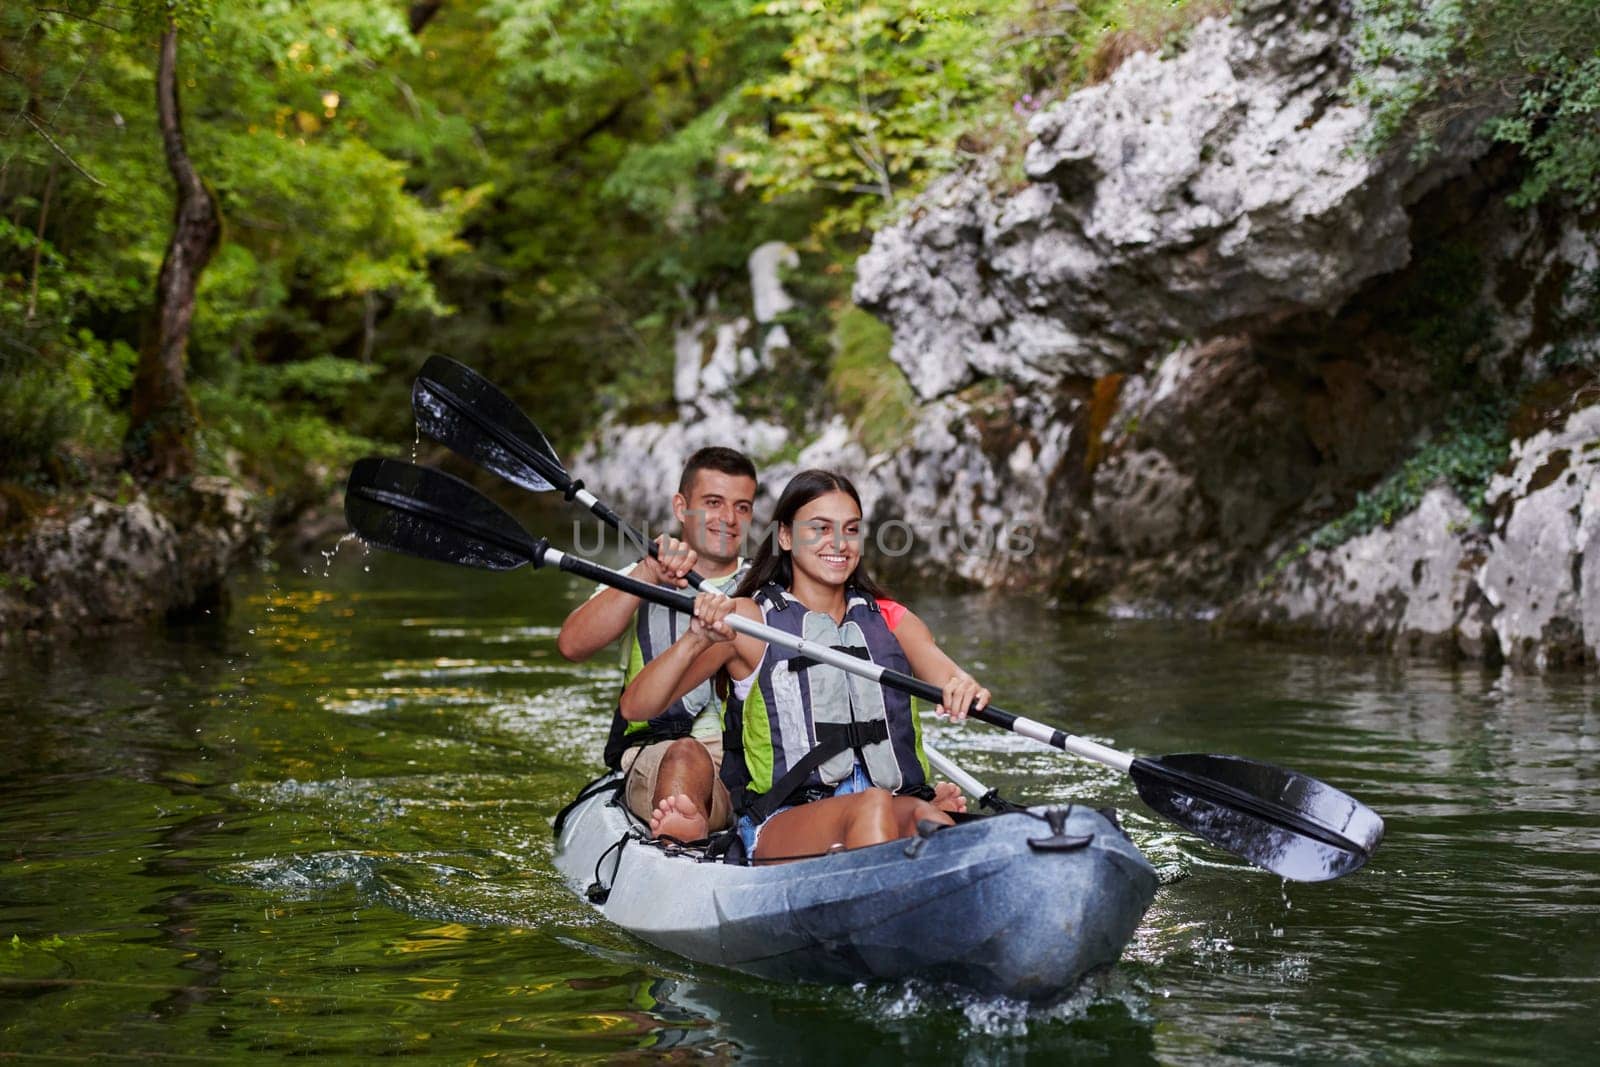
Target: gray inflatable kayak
1022	904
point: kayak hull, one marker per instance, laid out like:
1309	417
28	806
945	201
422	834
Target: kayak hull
1010	904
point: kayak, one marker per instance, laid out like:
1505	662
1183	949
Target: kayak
1022	904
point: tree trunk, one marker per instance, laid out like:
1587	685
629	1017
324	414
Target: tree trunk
38	247
422	13
161	421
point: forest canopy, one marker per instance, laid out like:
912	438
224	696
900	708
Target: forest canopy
546	189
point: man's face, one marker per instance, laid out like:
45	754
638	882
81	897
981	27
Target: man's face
715	513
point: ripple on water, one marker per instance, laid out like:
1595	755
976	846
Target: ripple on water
488	635
448	669
483	889
371	700
992	1023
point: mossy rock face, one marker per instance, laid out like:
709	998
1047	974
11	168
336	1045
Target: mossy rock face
992	415
19	505
105	563
1548	403
865	384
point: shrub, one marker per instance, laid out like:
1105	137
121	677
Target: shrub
1529	68
865	385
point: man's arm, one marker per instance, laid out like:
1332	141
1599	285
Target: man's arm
596	623
693	658
603	618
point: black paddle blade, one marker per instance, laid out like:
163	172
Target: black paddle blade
1290	824
459	408
423	512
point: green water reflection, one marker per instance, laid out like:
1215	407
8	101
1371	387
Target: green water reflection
321	827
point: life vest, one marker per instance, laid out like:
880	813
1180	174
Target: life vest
804	726
654	630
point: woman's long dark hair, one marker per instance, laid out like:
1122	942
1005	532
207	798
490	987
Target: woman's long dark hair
773	562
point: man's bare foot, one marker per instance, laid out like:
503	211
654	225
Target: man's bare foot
678	816
947	797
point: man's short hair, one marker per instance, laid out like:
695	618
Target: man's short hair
716	458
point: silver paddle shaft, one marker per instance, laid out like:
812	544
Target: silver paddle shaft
844	661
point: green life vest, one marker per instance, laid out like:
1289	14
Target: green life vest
804	726
654	630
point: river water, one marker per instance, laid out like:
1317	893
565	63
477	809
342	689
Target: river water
321	827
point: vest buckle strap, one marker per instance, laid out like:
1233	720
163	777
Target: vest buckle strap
832	739
842	736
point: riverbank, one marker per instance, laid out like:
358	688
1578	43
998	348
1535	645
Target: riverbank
89	562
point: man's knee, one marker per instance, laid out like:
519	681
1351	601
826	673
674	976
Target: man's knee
686	755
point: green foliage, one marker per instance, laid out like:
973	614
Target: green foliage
270	421
101	371
1463	454
873	98
541	188
1528	69
320	227
39	410
864	383
57	385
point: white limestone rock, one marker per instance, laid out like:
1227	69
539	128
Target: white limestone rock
1182	197
766	288
112	564
1527	592
1405	586
1539	574
635	468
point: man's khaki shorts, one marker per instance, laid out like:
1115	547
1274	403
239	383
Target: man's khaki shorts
642	765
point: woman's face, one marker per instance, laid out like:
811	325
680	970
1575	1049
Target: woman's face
825	538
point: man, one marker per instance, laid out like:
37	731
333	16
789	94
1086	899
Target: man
671	761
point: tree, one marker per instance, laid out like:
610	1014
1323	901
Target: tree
161	422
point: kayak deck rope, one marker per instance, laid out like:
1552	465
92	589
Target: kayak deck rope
598	893
723	847
594	788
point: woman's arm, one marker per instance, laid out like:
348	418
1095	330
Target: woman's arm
708	645
687	662
929	663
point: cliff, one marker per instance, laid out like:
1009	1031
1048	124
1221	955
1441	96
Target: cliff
1214	358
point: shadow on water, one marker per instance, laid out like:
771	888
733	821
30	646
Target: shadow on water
321	828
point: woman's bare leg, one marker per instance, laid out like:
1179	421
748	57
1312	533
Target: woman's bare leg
908	811
854	821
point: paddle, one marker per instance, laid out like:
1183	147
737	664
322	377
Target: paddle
463	410
1292	825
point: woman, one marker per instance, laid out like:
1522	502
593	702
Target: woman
866	779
